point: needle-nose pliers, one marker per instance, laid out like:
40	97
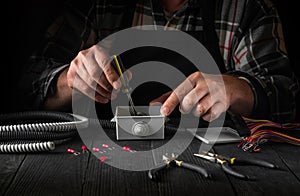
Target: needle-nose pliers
226	162
172	161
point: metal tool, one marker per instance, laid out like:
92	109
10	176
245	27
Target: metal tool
225	163
172	161
125	82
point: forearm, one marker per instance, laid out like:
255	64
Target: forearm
60	95
241	95
274	95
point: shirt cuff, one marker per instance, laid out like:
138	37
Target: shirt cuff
45	83
261	106
52	78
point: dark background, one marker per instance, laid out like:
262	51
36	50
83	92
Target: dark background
24	23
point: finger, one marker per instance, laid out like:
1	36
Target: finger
90	65
104	62
103	82
193	97
129	74
214	112
176	97
203	105
83	74
81	86
160	100
103	92
171	102
114	94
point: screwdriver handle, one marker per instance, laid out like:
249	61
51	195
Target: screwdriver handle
118	65
193	167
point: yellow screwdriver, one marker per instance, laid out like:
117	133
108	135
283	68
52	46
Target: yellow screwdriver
125	82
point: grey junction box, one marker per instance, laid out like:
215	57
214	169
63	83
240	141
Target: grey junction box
142	127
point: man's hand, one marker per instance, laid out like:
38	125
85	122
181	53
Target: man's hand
92	74
208	96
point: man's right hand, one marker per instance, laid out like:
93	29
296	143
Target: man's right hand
91	73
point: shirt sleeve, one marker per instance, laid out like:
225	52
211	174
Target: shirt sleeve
260	57
69	33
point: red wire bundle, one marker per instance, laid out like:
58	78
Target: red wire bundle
264	130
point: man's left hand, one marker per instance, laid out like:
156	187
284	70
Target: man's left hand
208	96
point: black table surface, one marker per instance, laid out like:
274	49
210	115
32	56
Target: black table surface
61	173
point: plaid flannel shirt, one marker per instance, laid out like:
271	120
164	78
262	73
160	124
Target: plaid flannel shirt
250	38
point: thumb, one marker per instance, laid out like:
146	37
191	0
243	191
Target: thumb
129	74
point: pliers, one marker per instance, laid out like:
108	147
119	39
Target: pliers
225	163
172	161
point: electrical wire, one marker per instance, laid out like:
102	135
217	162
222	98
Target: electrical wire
262	131
36	131
27	147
